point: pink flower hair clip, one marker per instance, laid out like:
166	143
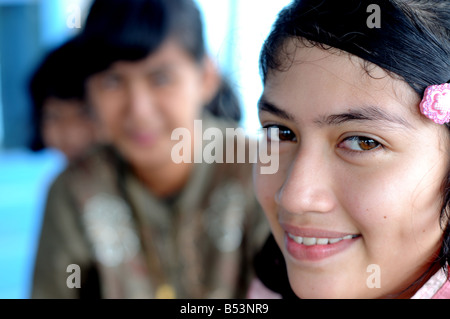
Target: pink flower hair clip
436	103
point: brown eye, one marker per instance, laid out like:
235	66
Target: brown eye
160	79
359	143
367	144
110	81
280	133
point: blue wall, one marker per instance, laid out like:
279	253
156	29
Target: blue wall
19	45
24	181
27	30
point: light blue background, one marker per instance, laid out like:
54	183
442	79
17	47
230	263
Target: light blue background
24	180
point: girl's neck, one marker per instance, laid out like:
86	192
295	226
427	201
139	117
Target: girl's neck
165	181
418	283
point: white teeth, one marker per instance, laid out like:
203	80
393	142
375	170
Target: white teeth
334	240
298	240
309	241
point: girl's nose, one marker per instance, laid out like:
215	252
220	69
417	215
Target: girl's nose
308	185
141	104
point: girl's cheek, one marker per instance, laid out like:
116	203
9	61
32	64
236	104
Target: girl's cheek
265	189
361	200
267	186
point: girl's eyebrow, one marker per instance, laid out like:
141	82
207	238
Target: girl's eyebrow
266	106
367	113
361	114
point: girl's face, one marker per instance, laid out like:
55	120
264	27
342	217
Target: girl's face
140	103
355	204
66	127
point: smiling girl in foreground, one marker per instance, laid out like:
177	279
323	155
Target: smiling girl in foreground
364	175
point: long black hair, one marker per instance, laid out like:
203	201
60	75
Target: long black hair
130	30
412	42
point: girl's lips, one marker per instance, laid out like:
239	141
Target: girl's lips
315	244
313	232
315	249
143	138
309	241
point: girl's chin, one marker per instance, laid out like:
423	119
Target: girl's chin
327	282
327	291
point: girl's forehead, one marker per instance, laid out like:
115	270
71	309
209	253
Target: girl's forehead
336	65
336	77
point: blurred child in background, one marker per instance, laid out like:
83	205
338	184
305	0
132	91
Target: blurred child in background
136	223
61	118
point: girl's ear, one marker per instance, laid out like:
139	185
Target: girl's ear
211	80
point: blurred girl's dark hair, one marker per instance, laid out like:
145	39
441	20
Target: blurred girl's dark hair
130	30
57	75
412	42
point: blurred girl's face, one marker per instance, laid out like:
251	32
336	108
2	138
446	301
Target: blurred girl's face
355	204
140	103
66	126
